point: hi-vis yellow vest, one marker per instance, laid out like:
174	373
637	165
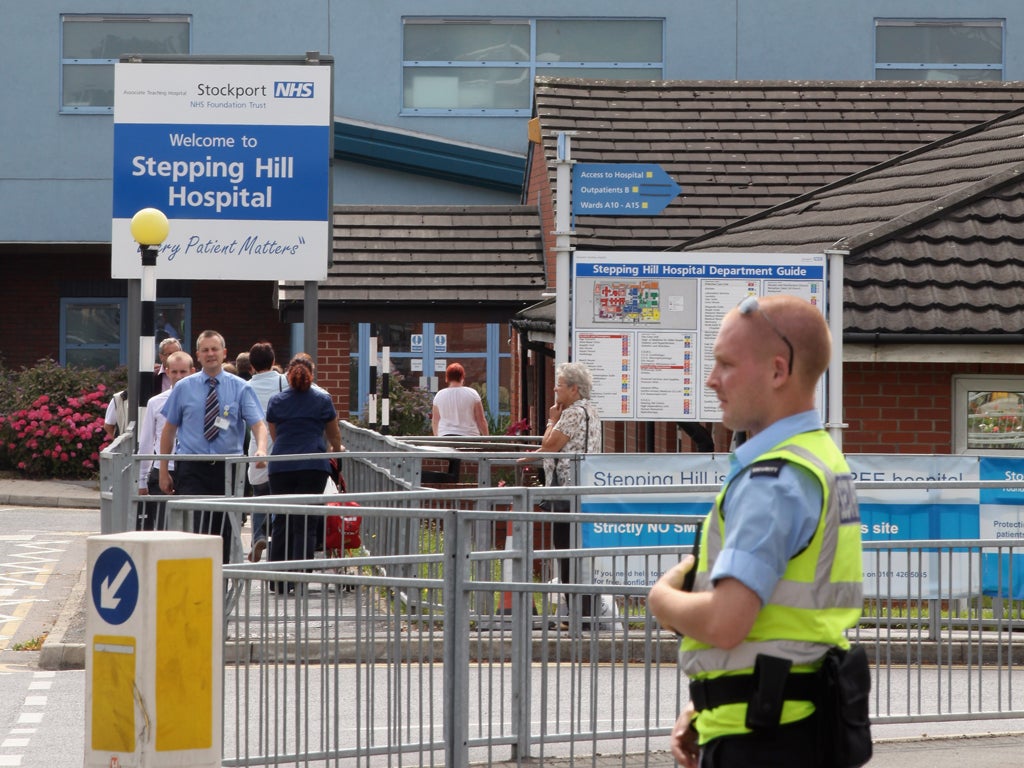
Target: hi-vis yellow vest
819	597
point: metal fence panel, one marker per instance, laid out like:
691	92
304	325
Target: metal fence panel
447	637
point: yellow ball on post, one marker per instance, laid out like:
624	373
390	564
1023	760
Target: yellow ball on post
150	227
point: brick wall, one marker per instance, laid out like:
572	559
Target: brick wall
242	312
333	349
904	407
30	302
30	294
539	192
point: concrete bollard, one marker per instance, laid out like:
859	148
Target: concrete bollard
154	650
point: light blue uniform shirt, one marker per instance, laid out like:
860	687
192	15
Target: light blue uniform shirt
768	519
186	408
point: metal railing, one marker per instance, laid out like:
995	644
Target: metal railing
456	654
447	638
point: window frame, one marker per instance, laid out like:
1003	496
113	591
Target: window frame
533	66
122	342
99	18
926	66
963	385
359	363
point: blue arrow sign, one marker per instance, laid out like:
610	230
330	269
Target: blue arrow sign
621	189
115	585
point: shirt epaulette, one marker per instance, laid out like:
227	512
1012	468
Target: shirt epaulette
769	468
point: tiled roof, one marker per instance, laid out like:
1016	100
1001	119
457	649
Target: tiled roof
934	236
458	261
739	147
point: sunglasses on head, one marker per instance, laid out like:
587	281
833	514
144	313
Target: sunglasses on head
751	305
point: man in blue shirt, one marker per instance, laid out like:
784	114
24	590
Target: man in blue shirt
207	413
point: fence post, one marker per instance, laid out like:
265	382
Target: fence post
934	619
457	541
522	626
116	487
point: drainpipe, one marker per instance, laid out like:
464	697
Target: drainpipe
834	413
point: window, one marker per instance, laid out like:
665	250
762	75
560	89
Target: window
420	352
90	46
93	331
474	67
988	414
938	50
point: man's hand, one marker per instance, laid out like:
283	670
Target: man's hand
166	482
262	434
664	600
684	739
675	576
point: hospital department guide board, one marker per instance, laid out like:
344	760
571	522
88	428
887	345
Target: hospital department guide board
645	323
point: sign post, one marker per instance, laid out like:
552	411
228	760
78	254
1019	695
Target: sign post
153	650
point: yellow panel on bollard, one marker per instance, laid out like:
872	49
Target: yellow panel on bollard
184	633
154	637
113	677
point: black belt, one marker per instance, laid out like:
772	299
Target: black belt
738	689
200	464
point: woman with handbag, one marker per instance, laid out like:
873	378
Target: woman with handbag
573	427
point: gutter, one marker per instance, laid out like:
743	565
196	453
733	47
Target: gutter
933	338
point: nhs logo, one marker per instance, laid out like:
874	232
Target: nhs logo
286	89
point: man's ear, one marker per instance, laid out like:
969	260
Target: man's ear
780	370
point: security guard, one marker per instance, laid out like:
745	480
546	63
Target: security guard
778	580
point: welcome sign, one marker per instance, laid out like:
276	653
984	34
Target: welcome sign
237	156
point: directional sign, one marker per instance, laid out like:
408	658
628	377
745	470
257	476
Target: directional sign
115	585
621	189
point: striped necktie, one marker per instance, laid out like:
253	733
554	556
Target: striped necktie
210	413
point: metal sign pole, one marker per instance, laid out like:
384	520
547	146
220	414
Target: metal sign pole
563	234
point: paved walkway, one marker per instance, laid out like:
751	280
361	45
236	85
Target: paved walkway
69	494
988	744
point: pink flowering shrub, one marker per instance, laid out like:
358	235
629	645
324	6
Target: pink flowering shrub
521	427
56	437
51	418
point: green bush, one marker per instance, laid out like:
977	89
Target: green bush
51	419
20	389
409	411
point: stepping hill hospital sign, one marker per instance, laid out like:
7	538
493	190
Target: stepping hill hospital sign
238	156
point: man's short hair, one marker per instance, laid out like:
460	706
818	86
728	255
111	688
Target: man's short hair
261	356
210	335
181	356
170	340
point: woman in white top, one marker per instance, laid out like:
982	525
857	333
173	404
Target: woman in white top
457	411
457	408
